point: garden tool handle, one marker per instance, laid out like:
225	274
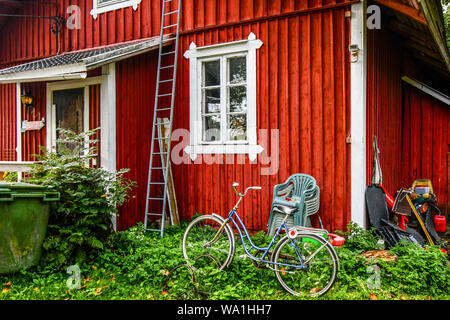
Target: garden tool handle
420	220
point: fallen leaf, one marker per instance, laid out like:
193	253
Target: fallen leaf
373	296
5	290
36	289
94	267
164	272
8	284
104	195
87	280
313	290
164	293
98	291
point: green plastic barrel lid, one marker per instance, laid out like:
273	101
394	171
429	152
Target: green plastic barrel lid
11	190
21	187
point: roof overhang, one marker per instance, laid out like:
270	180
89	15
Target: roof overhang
421	24
76	64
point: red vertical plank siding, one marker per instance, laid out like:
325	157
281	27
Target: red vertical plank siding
8	122
302	91
384	111
32	140
425	156
411	126
135	81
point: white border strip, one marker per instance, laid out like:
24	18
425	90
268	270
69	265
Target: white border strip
358	78
427	89
18	127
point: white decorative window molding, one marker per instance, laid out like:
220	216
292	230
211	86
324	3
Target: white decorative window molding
222	80
101	6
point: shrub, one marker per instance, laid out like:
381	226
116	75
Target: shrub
359	239
80	222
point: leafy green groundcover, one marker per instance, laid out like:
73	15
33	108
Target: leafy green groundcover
134	265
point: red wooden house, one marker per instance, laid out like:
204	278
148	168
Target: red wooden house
322	77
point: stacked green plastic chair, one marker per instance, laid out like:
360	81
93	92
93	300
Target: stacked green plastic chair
301	191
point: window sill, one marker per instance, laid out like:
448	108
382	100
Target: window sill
251	150
111	7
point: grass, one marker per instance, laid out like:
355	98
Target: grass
136	264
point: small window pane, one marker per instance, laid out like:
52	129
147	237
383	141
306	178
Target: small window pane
211	71
237	99
211	100
211	128
237	70
237	127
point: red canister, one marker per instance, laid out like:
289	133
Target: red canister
440	223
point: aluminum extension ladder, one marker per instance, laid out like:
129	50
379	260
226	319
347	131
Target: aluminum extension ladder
156	199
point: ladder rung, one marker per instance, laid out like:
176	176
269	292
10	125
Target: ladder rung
149	229
160	152
171	12
167	53
168	39
163	123
155	198
163	109
164	95
167	67
161	138
159	183
170	26
163	81
159	168
154	214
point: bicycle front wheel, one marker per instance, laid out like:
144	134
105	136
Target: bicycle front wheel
306	265
199	247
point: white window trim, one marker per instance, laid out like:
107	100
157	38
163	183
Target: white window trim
114	5
51	110
195	54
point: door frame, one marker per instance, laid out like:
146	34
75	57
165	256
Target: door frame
51	114
107	82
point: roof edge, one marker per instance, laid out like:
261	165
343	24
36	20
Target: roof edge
432	11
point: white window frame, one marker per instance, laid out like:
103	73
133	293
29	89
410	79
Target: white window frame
196	56
51	111
113	5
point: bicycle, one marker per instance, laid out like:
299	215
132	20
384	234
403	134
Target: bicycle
304	262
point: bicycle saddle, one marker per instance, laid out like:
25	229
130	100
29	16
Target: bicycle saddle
285	209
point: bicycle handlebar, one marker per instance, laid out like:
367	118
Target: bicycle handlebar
235	184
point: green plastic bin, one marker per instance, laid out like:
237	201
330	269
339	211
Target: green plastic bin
24	211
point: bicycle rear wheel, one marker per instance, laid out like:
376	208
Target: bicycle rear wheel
198	248
320	261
